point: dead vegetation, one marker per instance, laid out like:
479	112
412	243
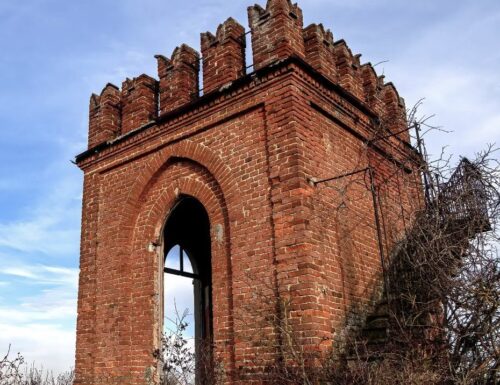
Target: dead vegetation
440	314
441	304
14	371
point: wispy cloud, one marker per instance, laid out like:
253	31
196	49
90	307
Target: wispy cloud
18	272
39	323
451	64
45	227
61	51
50	346
41	274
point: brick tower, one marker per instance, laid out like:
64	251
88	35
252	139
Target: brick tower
289	184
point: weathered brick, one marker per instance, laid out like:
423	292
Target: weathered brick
223	55
250	153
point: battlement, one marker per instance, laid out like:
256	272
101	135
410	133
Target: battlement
178	78
275	182
139	101
277	33
319	49
104	115
223	55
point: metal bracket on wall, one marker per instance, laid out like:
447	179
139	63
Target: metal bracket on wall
373	190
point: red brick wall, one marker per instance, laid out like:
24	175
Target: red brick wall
248	152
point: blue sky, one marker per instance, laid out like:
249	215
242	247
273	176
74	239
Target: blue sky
55	53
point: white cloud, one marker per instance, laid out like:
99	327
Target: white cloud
42	274
450	64
38	234
49	227
56	300
40	323
446	63
63	309
49	345
462	104
18	272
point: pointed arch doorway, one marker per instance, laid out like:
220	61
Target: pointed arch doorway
187	266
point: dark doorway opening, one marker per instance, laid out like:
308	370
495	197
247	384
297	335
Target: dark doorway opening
188	258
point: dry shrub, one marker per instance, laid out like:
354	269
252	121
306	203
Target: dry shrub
13	371
184	364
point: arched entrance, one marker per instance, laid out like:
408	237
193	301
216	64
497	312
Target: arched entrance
187	255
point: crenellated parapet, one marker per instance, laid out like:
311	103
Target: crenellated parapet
371	88
348	69
393	114
289	182
223	55
320	52
104	115
277	34
179	78
116	112
139	102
